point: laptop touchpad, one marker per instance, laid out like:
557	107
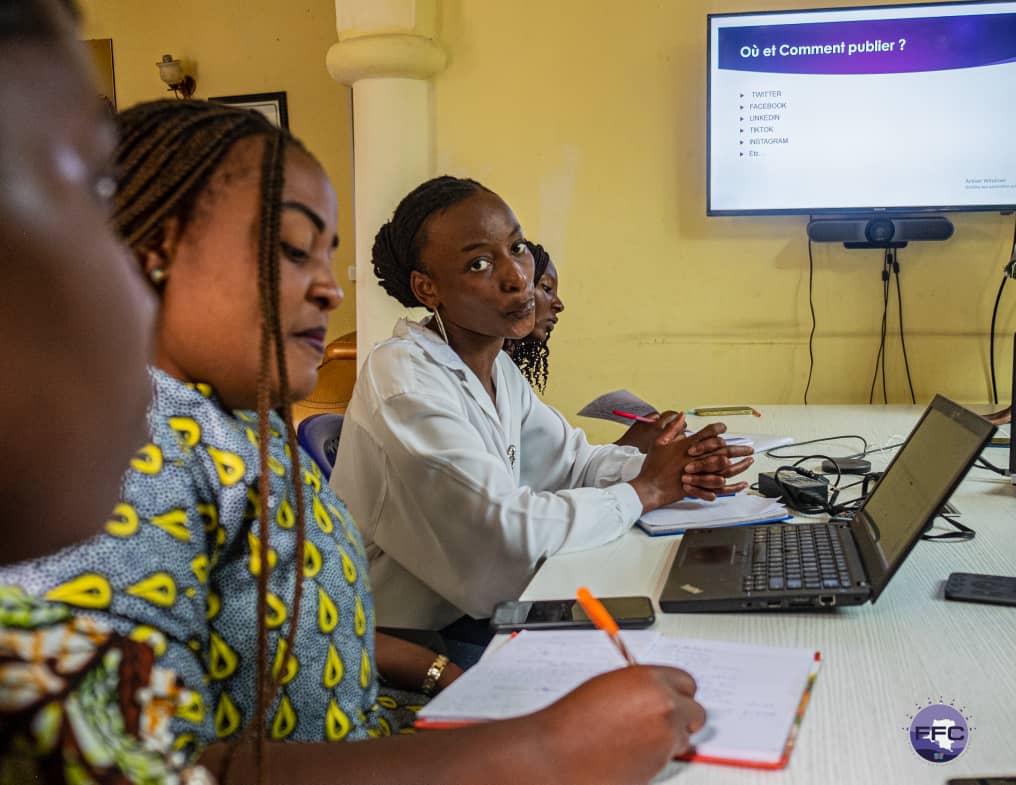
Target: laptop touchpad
710	554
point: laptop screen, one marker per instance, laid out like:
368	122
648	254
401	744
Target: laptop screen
922	476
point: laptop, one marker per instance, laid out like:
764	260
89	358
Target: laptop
802	565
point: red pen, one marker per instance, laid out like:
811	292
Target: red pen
630	416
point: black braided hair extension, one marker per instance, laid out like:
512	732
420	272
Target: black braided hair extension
168	152
530	354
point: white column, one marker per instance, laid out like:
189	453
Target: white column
386	52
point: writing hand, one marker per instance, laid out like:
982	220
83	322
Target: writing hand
647	712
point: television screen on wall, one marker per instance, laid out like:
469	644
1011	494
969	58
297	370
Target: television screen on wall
903	109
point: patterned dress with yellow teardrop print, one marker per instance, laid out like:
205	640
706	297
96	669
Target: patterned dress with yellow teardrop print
177	564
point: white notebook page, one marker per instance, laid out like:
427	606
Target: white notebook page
750	693
724	511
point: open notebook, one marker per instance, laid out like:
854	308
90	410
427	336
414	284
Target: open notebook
754	696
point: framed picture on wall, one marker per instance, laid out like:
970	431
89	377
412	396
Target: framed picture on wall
271	105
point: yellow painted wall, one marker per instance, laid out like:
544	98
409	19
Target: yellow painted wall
588	117
238	47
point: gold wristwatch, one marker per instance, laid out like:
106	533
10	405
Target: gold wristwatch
429	686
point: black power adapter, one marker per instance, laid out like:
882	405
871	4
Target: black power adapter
798	490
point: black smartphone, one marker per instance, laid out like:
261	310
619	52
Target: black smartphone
1009	780
628	612
972	587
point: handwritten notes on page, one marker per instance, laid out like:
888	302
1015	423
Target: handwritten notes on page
751	693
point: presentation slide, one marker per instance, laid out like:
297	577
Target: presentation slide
868	108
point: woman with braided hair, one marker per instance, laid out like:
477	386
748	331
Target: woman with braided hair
234	224
461	480
532	353
211	556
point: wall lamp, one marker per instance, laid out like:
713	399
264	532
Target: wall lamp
171	72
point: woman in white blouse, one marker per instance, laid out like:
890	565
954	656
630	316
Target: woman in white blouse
461	480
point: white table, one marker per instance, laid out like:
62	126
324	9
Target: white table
881	661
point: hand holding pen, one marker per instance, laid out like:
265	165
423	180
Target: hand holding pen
645	429
652	708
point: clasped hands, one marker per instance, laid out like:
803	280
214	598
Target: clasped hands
678	464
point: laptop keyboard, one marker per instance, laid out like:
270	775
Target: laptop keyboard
797	556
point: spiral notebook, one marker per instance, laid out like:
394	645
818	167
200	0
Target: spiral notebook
754	696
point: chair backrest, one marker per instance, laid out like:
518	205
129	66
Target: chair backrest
319	436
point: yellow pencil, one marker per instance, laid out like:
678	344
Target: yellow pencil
724	411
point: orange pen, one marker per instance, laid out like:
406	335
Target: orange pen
601	617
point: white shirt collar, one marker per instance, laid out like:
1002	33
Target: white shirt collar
428	340
443	354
